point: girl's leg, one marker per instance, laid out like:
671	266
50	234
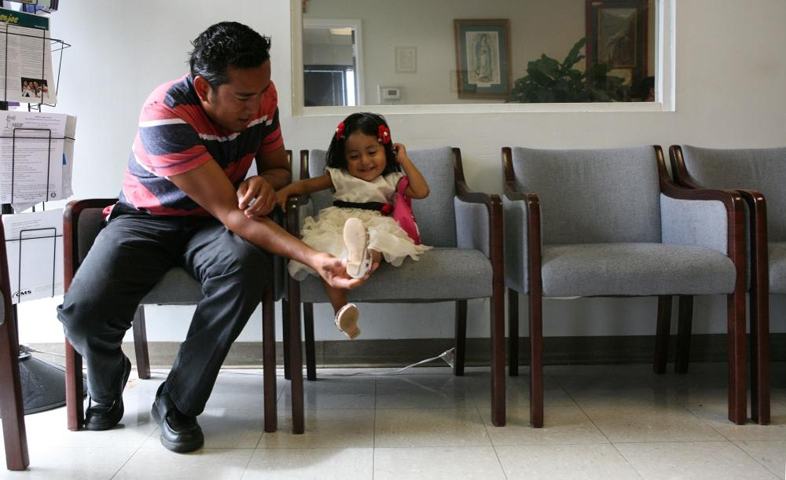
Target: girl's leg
376	259
337	296
346	314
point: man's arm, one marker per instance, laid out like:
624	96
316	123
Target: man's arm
211	189
273	166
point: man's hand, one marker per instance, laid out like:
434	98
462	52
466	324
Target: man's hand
334	271
256	197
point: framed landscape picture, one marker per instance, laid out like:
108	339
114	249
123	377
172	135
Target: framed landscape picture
617	36
482	58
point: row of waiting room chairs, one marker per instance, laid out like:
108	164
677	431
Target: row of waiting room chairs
609	222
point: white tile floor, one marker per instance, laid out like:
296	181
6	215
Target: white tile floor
604	422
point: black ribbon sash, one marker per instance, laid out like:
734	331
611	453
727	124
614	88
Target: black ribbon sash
377	206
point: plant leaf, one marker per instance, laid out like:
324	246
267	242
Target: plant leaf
574	56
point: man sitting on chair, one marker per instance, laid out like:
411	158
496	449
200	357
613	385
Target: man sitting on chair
184	202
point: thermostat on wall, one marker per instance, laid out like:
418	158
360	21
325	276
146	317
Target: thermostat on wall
389	94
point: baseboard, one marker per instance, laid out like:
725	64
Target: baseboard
401	352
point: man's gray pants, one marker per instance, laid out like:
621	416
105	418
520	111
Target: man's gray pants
128	258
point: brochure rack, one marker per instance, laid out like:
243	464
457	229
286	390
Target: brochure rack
41	384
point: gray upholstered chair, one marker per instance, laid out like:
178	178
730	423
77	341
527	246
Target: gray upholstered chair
757	174
82	221
466	230
612	223
12	408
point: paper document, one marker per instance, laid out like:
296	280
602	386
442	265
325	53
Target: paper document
36	156
34	245
68	156
26	64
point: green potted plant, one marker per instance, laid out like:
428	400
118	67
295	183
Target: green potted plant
551	81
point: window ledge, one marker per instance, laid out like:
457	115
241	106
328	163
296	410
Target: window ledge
616	107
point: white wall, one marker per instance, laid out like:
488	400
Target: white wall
730	77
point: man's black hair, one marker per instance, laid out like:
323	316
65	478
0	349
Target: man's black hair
225	45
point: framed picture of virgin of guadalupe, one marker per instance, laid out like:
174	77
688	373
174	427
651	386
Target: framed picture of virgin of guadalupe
482	58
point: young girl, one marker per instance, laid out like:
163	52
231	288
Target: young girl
363	170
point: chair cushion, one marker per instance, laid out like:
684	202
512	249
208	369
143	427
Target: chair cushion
441	274
176	287
635	269
593	196
761	169
777	254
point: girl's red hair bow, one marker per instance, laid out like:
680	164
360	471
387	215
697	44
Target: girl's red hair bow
384	134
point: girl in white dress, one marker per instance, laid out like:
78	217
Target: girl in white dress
363	171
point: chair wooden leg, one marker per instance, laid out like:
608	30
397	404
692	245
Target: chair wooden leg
295	359
662	333
685	326
308	331
12	407
285	315
760	356
513	333
497	317
75	393
460	339
269	360
738	408
140	343
536	358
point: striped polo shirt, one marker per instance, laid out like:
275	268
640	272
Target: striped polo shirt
175	136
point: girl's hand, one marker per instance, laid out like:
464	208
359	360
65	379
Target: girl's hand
281	198
401	152
418	188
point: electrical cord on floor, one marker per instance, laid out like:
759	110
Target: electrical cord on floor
448	356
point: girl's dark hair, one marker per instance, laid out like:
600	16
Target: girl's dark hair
225	45
367	123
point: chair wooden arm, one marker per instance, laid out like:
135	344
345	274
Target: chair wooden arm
71	233
533	215
294	204
732	200
494	205
754	199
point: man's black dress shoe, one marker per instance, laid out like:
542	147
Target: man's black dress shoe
179	432
102	416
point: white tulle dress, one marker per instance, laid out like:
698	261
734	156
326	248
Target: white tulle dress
385	235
